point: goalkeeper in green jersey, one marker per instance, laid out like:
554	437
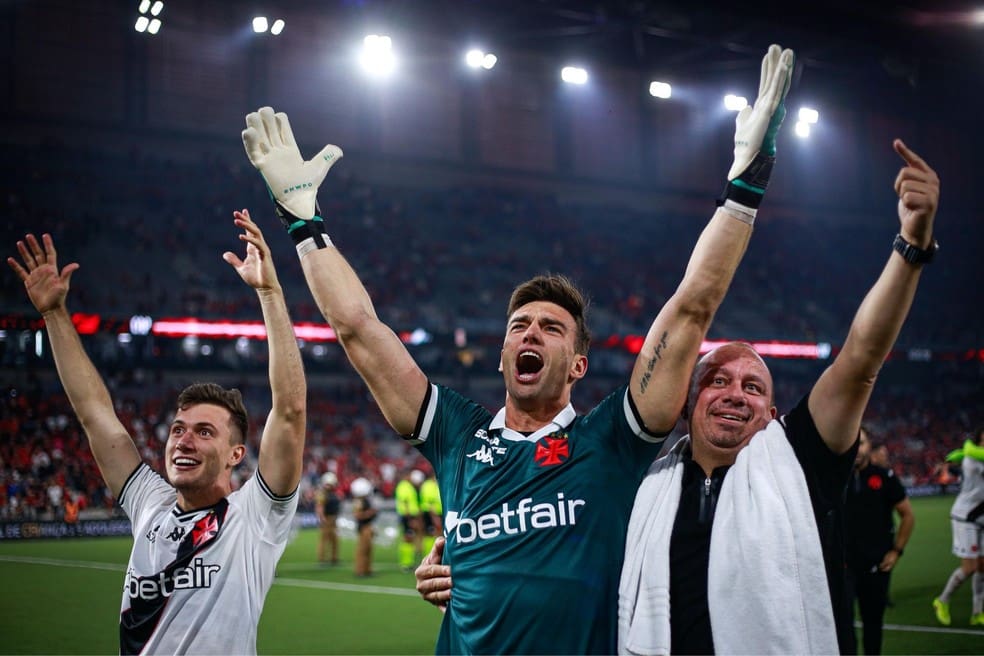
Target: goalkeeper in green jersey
537	496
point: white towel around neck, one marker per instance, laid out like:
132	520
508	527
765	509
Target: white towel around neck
767	586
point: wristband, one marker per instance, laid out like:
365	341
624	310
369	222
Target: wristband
898	551
308	235
746	191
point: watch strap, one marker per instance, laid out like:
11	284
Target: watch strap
914	254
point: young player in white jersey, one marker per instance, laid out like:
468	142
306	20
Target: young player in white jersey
203	556
967	519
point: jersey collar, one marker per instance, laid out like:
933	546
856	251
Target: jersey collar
561	421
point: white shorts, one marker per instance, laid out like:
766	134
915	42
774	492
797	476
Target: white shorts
968	538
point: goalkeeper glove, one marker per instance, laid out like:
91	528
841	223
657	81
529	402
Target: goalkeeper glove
292	182
755	135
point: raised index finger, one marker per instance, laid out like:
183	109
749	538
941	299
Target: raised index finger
910	157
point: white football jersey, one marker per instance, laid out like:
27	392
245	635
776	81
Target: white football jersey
971	497
196	581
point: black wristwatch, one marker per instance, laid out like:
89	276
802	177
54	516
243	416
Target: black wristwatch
913	254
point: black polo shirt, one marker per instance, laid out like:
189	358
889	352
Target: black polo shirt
690	543
872	495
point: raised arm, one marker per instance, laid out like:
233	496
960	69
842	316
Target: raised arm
376	352
282	444
839	397
659	378
47	287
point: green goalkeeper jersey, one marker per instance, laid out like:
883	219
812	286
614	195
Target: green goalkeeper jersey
535	524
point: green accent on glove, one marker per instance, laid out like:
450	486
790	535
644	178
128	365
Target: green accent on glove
295	225
769	141
738	182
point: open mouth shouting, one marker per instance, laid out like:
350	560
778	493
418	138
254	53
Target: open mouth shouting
528	366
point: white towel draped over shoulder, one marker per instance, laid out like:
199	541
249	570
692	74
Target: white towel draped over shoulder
767	586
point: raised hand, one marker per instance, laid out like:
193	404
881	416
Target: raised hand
271	148
257	269
45	285
756	125
918	189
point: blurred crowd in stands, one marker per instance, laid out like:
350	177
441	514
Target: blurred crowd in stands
149	234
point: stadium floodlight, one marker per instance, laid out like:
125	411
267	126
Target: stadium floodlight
155	26
473	58
377	55
141	24
156	9
660	89
574	75
476	58
735	103
144	6
809	115
802	129
260	24
277	27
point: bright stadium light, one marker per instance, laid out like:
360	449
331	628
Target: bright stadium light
802	129
144	6
473	58
735	103
277	27
260	24
574	75
156	9
476	58
809	115
660	89
377	55
141	24
155	26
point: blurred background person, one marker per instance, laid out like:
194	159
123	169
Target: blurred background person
364	514
326	507
874	545
967	520
431	511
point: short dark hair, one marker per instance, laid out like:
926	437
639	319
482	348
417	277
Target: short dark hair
230	399
559	290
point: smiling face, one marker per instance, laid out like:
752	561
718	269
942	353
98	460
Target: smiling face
539	360
201	453
730	401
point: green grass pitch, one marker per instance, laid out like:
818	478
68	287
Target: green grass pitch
63	596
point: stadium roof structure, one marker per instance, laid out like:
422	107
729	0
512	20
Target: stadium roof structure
865	47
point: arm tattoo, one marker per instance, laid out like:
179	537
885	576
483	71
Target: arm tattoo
657	355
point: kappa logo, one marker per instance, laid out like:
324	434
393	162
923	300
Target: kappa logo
486	453
176	534
552	450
